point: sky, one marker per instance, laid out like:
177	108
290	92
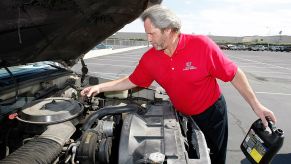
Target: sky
228	17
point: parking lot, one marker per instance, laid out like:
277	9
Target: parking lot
269	74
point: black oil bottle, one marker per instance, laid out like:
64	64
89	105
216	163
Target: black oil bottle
261	144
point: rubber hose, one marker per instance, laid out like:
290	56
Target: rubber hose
36	151
109	111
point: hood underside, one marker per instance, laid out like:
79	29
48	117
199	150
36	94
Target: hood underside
60	30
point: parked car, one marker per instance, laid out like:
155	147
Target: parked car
287	48
102	46
223	47
232	47
275	48
43	118
257	48
242	47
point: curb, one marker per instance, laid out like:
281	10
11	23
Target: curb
103	52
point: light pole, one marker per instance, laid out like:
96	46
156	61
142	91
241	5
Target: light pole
268	35
280	36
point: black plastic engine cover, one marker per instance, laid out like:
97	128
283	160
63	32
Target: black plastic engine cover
157	131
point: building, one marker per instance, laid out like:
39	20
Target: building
278	39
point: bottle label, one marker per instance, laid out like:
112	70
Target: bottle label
254	146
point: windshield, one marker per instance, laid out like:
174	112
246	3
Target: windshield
23	72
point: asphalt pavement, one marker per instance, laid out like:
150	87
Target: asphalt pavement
269	74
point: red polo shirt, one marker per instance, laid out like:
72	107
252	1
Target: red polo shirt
189	76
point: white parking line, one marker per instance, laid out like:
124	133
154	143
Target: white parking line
271	93
272	65
126	57
285	73
251	66
114	65
114	74
115	60
109	76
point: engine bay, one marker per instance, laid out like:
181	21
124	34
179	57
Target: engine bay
45	120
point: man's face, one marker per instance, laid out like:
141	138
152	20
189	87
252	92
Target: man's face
155	36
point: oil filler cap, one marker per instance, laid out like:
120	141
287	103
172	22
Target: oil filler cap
157	157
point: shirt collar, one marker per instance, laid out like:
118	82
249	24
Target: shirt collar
182	43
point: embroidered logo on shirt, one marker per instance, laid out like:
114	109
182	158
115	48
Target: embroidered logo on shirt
189	66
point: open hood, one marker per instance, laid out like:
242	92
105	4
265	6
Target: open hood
60	30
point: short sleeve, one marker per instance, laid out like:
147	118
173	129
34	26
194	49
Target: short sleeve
220	66
141	75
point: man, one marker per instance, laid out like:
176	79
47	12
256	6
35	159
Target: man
187	67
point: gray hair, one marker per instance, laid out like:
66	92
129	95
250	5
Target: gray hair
162	18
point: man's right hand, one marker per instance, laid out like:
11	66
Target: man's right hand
90	91
115	85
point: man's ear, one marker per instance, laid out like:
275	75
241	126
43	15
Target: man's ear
168	30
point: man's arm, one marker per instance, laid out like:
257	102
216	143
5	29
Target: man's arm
115	85
241	83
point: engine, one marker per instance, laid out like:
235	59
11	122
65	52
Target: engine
58	126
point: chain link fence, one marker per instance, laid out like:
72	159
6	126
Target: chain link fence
124	43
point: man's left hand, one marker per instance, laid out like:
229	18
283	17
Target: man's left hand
264	114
